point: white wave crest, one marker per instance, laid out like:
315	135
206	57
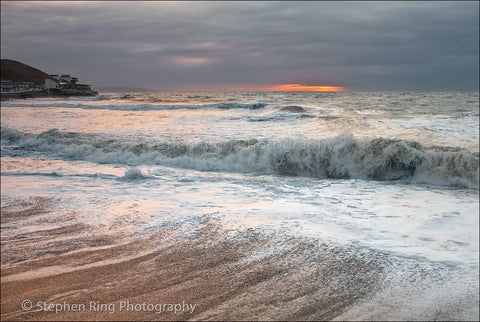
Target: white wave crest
337	157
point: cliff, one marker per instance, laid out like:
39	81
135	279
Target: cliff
16	71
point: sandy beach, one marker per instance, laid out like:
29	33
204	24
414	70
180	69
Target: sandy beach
210	277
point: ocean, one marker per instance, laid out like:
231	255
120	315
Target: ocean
300	205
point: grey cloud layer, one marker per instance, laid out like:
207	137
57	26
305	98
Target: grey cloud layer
168	45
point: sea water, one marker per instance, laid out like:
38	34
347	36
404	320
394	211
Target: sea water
392	174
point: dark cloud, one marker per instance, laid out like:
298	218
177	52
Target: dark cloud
175	45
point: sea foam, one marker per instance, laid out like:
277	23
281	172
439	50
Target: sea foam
341	157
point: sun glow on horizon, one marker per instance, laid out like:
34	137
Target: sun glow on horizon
305	88
260	88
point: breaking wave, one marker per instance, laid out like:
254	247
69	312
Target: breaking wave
342	157
133	174
293	109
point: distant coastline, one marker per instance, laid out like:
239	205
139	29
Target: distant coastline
123	89
20	81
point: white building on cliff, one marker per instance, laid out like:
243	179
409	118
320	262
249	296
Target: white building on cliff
66	84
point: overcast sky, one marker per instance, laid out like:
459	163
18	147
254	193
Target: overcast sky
247	45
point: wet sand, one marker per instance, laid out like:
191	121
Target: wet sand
250	277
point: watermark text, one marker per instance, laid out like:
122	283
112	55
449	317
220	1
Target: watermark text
110	308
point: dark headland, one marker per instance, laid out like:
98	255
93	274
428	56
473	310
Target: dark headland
19	80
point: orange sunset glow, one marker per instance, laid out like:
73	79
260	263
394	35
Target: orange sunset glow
305	88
